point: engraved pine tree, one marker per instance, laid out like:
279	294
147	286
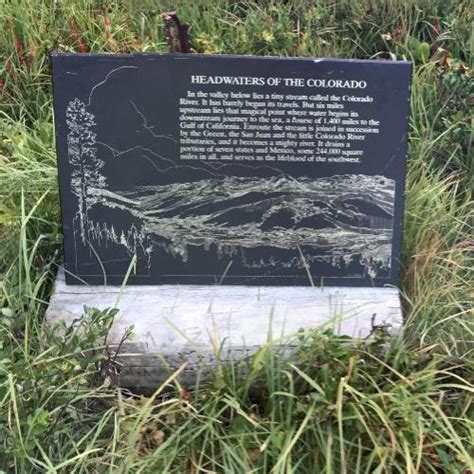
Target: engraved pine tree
82	154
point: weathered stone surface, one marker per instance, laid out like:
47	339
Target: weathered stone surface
189	324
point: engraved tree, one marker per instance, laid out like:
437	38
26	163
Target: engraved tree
82	154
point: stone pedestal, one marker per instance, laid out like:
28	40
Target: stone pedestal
190	323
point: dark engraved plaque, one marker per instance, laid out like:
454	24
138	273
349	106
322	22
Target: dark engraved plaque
198	169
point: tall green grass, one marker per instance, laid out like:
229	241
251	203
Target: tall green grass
399	404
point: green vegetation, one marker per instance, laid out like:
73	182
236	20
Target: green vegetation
384	405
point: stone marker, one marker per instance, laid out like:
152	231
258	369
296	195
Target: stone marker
214	181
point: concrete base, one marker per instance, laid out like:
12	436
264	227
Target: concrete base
190	323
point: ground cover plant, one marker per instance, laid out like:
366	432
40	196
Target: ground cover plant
401	404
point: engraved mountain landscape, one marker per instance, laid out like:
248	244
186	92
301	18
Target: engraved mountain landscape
339	222
255	217
270	223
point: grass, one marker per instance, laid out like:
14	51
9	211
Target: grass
381	405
